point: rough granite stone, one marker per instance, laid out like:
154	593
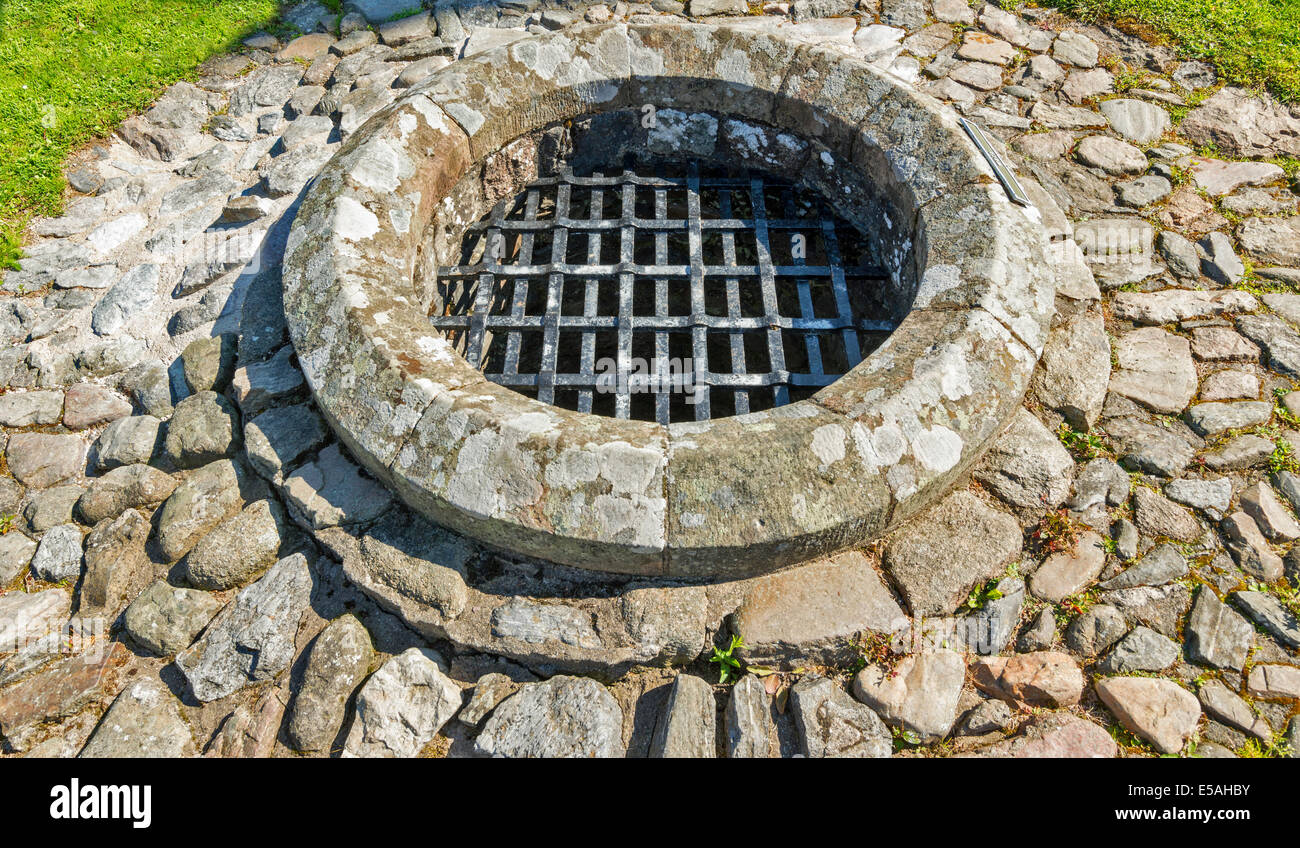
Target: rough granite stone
831	724
919	694
133	294
252	639
16	552
402	707
337	662
687	727
1042	679
29	409
128	441
1101	483
238	549
145	721
208	363
204	498
1274	681
40	460
1111	155
489	691
1241	124
571	717
58	556
125	487
87	405
1211	419
165	620
204	428
749	723
117	567
26	616
51	507
1027	466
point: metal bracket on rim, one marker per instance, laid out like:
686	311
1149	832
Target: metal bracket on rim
1009	182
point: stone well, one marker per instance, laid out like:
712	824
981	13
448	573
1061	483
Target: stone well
965	286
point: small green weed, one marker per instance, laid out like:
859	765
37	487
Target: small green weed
1280	408
1082	445
904	739
729	665
1275	748
981	595
1056	532
1283	458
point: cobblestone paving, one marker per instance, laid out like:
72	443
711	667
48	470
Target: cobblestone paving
185	539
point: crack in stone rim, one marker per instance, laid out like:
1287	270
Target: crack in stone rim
829	472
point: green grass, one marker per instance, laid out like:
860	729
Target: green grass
71	70
1252	43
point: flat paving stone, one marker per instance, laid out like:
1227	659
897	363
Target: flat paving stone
811	612
1155	369
1067	573
1160	711
1269	613
40	460
687	726
143	722
1044	679
277	439
919	694
128	441
30	409
940	555
331	491
59	691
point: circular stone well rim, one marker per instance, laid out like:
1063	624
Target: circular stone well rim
720	499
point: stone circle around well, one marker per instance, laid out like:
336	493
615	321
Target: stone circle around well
722	498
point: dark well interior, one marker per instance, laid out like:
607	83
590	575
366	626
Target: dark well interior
733	265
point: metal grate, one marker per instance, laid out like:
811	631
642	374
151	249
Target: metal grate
752	281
